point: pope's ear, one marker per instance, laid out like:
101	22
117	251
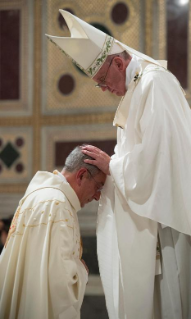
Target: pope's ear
119	63
80	174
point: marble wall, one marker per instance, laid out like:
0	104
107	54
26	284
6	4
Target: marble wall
178	39
48	106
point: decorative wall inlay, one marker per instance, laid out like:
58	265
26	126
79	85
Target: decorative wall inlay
9	154
19	168
16	58
10	59
122	20
19	142
16	155
120	13
66	84
177	39
54	139
48	114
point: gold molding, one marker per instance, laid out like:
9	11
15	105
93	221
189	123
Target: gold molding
12	121
13	188
37	86
148	27
77	119
162	29
57	120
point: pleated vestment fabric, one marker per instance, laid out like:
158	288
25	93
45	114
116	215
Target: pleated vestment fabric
41	275
173	286
149	185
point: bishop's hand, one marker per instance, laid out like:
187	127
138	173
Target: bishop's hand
86	267
100	158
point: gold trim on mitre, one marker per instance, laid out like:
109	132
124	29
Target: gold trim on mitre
99	61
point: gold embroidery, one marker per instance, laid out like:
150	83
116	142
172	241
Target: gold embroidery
50	200
70	227
53	222
13	225
69	212
61	220
100	59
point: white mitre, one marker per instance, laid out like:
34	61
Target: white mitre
89	47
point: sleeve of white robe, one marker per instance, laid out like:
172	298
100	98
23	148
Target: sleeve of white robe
154	175
67	274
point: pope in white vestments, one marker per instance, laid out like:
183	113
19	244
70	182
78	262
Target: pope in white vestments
144	218
148	190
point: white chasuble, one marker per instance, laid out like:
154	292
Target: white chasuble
41	274
150	183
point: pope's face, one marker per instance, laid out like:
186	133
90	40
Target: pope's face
111	77
91	187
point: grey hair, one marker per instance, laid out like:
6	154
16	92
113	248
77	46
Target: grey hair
75	161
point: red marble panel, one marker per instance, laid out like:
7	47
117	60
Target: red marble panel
177	39
62	149
9	54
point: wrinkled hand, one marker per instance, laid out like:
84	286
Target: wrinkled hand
100	158
83	262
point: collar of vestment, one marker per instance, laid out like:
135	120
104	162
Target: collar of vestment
133	75
132	69
53	180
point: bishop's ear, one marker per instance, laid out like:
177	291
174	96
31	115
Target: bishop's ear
80	175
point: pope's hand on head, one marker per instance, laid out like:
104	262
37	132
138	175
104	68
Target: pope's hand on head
100	158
